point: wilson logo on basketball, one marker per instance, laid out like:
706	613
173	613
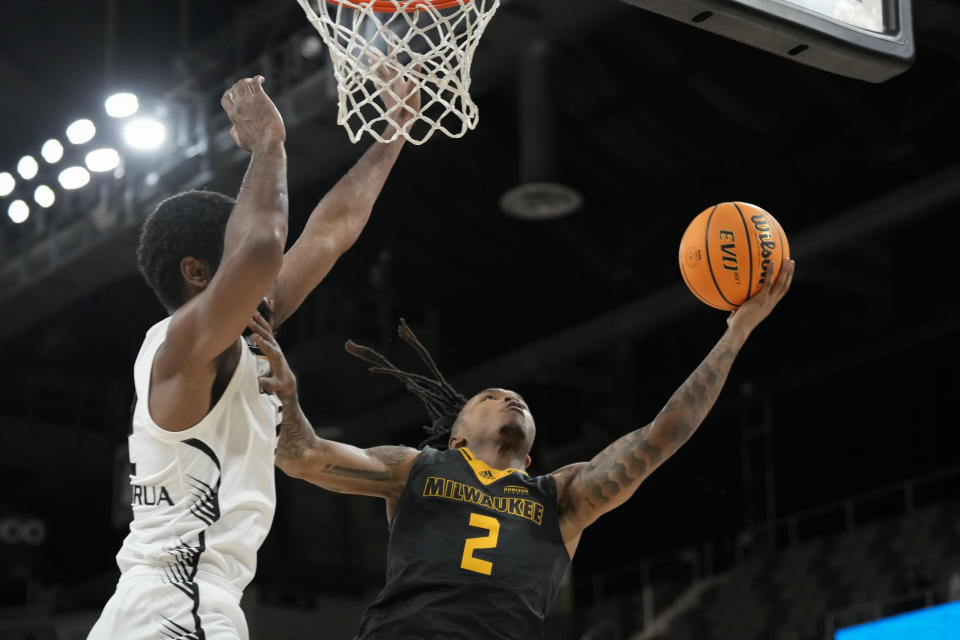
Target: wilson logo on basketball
766	243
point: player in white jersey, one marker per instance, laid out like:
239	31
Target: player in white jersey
204	432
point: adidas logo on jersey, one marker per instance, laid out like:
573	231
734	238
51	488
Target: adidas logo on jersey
150	496
486	474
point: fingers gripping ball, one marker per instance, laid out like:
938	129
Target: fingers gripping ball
725	251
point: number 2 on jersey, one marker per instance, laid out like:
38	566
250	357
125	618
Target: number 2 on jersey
489	541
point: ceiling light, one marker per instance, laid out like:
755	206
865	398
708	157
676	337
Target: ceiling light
52	151
44	196
18	211
74	177
145	133
28	167
7	183
81	131
101	160
121	105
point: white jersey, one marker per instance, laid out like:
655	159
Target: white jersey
203	498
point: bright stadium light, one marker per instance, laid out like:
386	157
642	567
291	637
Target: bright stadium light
81	131
28	167
145	133
121	105
7	183
44	196
74	178
52	151
18	211
100	160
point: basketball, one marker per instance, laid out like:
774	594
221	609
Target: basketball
725	251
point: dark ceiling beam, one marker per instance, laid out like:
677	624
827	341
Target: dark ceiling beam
926	197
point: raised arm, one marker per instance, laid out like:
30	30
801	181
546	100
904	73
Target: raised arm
339	218
253	240
587	490
379	472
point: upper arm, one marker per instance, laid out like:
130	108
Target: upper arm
212	320
305	265
379	472
332	228
587	490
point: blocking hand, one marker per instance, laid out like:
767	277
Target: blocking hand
255	118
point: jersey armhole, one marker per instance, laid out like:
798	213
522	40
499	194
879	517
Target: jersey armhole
420	460
164	435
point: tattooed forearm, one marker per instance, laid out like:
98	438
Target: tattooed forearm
336	466
389	456
615	473
357	474
296	433
689	404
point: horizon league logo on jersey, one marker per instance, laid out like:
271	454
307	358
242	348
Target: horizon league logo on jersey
149	495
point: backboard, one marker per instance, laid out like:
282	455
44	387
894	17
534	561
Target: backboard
870	40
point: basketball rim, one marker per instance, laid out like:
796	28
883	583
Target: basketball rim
392	6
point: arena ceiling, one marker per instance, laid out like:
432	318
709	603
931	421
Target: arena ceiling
586	315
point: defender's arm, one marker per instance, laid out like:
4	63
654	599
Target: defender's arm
253	240
333	227
339	218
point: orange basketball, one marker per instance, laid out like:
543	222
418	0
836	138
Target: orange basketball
725	251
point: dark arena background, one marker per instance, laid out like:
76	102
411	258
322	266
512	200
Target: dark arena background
820	493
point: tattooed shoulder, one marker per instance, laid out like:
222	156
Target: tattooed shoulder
391	456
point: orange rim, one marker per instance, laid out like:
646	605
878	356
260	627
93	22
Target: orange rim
409	6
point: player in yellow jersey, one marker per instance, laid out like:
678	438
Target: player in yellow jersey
478	547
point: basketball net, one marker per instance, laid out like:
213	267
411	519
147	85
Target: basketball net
428	43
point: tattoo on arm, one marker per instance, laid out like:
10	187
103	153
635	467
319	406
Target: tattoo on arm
614	474
335	466
624	462
356	474
389	456
296	432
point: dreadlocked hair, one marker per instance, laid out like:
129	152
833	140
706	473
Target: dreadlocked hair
443	402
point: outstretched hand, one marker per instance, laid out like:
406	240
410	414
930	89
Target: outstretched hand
753	311
280	380
401	87
253	114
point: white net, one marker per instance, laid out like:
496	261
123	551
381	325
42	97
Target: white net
387	53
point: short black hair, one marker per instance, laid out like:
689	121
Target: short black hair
191	224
